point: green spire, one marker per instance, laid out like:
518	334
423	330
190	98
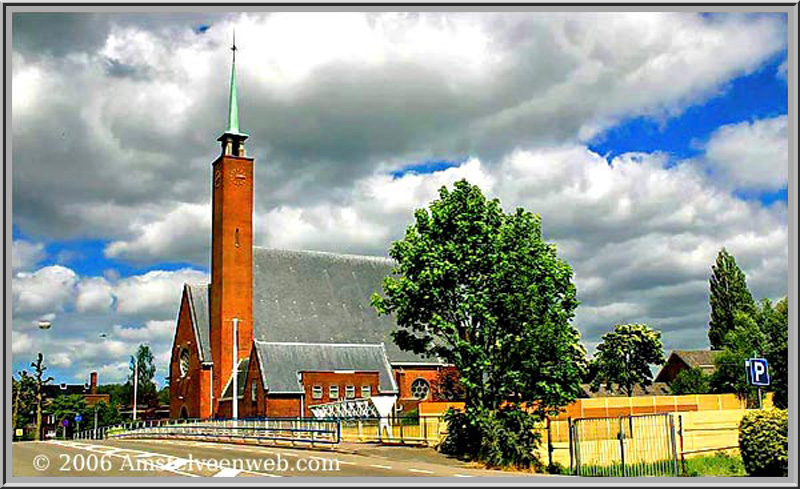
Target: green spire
233	106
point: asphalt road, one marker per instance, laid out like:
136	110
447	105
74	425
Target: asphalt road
181	458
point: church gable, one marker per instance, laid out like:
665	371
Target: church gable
186	364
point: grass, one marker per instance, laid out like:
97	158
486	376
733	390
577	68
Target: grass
719	464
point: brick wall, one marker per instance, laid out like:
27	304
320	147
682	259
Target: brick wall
405	376
283	405
326	379
191	391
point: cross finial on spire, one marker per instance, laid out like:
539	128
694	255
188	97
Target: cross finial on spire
233	106
232	130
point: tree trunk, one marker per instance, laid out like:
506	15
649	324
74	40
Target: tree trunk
38	434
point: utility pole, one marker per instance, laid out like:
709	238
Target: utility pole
135	383
235	370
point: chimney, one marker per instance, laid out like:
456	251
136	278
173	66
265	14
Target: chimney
93	382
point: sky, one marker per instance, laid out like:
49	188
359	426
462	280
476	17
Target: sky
645	141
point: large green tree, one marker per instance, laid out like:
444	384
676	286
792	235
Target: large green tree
728	294
482	290
147	390
67	407
624	356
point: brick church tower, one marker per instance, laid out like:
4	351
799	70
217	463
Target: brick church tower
231	288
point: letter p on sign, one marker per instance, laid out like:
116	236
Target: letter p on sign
758	370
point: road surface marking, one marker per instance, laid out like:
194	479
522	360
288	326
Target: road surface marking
421	471
89	448
381	466
176	464
462	475
227	472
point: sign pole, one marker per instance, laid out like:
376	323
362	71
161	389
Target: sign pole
760	405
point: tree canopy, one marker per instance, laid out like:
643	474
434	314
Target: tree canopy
691	381
147	391
624	356
728	294
482	290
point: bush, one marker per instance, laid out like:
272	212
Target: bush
500	438
764	442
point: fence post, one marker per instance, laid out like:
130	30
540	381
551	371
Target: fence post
571	449
621	436
577	448
674	445
680	433
549	444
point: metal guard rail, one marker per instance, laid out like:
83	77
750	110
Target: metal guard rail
303	430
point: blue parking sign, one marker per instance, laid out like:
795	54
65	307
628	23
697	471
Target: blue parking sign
758	371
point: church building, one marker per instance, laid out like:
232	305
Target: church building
295	327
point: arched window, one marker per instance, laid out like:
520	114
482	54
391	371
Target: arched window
420	389
183	362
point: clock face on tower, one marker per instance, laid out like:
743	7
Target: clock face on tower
218	178
238	177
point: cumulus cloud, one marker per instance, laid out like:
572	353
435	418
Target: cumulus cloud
44	290
151	331
323	107
155	292
183	234
751	155
102	321
26	254
94	294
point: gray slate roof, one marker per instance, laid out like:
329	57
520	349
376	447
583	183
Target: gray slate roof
316	297
313	297
280	363
198	304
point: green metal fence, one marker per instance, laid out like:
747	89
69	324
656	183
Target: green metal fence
626	446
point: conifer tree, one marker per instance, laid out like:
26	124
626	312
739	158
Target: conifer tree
728	294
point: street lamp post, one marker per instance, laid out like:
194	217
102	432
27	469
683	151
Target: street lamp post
235	370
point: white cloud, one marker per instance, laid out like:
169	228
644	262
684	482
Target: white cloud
751	155
26	254
94	294
155	293
152	331
47	289
143	102
177	236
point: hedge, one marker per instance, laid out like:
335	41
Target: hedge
764	442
